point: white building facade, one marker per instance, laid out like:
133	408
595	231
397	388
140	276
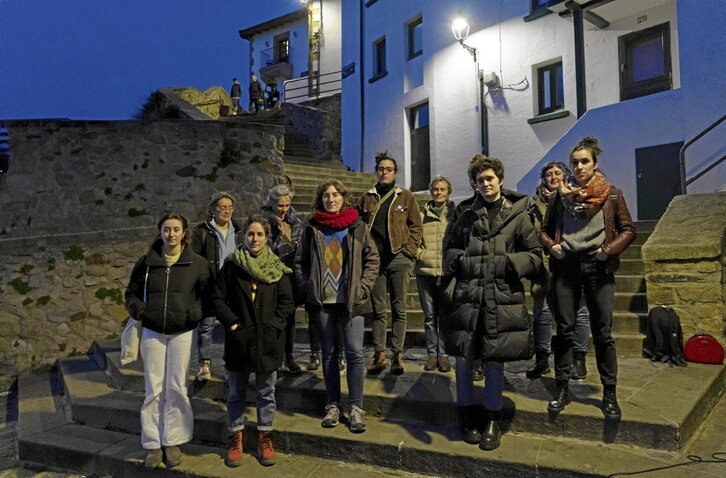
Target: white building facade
642	76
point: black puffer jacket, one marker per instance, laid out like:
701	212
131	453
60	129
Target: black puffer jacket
174	294
258	343
488	319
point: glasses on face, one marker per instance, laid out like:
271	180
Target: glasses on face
384	170
225	208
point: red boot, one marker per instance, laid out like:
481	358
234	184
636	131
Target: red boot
234	449
266	450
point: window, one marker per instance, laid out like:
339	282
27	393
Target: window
281	51
645	62
415	38
379	59
550	88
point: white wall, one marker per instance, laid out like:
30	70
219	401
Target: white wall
331	44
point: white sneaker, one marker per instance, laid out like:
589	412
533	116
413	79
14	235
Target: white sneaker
205	371
332	416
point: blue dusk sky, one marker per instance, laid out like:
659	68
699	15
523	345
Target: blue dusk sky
100	59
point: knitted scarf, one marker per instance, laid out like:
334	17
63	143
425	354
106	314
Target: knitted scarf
265	267
336	221
588	199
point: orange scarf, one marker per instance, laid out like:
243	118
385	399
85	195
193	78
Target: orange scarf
587	199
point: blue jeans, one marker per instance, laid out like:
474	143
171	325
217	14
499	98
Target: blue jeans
266	406
543	320
205	331
493	385
428	294
353	328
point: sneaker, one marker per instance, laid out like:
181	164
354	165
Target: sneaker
478	372
430	364
313	362
341	364
292	366
234	450
205	371
332	416
153	458
357	419
265	448
173	456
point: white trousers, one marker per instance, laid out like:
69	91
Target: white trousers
166	415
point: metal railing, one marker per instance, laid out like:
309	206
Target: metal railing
273	56
682	158
312	87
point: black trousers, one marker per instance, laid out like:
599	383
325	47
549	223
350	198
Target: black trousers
576	275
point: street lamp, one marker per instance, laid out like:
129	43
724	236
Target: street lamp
460	29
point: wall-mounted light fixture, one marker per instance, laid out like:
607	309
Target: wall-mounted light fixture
460	29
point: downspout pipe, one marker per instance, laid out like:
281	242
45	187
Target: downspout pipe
484	114
579	30
361	70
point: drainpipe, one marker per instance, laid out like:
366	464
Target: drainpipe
579	28
361	71
484	115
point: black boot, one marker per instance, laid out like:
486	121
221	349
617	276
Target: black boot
541	366
561	398
579	369
468	420
490	436
610	406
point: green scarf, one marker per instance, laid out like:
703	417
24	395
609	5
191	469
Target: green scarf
265	267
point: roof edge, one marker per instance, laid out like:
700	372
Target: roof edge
291	17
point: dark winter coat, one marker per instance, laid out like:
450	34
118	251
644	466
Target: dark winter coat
283	249
619	228
488	319
206	243
258	343
174	294
362	263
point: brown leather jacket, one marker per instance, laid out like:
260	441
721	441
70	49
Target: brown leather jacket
619	228
404	221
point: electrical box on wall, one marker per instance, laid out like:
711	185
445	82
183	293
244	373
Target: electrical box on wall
490	79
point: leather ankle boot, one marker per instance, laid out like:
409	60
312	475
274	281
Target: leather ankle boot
541	366
468	420
379	362
610	406
491	434
560	399
579	369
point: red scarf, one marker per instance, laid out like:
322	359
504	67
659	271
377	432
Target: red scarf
589	198
336	221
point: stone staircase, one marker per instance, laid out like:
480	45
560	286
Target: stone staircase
84	416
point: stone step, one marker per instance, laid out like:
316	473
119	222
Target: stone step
304	448
650	419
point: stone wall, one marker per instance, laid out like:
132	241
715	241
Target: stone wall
80	205
685	263
318	121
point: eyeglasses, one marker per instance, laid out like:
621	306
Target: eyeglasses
225	208
385	170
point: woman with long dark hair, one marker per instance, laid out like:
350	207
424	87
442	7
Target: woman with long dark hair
165	293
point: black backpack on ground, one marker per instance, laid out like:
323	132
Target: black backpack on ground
664	337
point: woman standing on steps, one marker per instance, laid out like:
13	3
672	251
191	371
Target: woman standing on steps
164	293
553	176
337	265
253	299
586	228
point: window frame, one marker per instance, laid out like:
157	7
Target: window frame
630	89
410	30
553	88
379	68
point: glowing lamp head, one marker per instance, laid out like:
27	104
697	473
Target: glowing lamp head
460	28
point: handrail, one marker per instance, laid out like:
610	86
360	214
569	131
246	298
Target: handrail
312	84
682	157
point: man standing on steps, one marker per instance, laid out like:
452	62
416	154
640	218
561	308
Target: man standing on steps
393	216
235	92
256	98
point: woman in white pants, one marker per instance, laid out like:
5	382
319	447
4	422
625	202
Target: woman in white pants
164	293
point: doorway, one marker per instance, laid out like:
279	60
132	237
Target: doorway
658	178
420	150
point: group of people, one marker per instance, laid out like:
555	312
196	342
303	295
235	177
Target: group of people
342	262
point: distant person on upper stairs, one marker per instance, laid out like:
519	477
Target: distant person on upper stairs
273	95
235	92
256	95
393	216
435	216
586	228
285	232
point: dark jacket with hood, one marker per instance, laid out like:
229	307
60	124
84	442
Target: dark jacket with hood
488	318
174	293
205	242
362	263
258	343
